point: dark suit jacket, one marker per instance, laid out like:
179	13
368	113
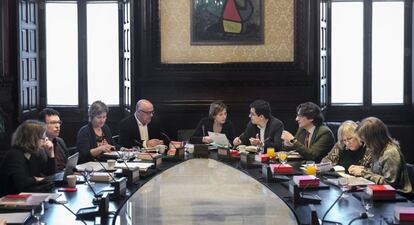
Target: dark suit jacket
206	124
320	144
129	132
59	145
272	135
17	172
86	140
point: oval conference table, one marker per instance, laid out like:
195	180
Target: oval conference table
204	191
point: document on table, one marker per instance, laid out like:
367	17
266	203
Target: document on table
219	139
15	218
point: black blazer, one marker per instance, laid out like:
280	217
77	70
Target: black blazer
129	132
86	140
17	172
206	124
272	135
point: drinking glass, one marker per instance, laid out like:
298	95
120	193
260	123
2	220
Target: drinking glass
367	202
38	212
271	153
310	168
343	183
282	155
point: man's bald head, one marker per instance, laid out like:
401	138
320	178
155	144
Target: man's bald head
144	111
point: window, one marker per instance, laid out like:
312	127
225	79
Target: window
366	49
82	49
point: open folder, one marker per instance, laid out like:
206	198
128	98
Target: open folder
219	139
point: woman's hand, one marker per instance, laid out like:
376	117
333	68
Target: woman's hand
48	147
207	139
356	170
237	141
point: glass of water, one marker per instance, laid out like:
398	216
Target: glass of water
38	212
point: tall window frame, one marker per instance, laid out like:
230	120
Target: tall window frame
367	108
33	91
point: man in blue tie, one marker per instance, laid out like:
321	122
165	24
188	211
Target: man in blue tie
313	140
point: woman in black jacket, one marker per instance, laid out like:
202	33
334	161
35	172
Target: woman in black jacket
24	168
216	122
95	137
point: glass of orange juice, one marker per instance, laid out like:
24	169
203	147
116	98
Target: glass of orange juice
310	168
271	152
282	155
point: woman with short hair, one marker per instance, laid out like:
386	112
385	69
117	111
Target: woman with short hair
216	122
388	164
95	138
24	168
348	150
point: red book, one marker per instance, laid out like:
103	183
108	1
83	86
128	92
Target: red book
261	157
281	168
306	181
381	191
404	213
234	153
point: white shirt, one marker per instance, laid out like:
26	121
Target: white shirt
143	132
262	132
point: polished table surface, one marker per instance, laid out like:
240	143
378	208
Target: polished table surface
204	191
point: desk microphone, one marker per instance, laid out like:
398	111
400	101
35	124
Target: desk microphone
139	143
298	194
53	201
204	132
119	185
168	139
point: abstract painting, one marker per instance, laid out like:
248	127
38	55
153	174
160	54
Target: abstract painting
231	22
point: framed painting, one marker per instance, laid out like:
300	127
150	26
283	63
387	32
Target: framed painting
227	22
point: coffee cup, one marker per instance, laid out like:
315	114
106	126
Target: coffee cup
71	180
111	164
161	148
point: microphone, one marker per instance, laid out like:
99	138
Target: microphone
53	201
179	151
102	208
119	185
139	143
204	132
132	174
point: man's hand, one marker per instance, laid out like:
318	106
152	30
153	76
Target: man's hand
154	142
255	141
237	141
48	147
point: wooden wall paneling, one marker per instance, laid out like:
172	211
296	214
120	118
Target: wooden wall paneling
28	55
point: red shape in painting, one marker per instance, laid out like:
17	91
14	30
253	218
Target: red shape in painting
231	12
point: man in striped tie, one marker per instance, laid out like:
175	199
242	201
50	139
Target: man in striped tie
313	140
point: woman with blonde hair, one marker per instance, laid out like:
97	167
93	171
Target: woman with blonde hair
348	150
388	164
24	168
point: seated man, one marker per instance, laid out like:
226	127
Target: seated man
139	129
313	140
263	128
52	120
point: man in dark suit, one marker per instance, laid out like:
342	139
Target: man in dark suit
313	140
263	128
139	129
51	118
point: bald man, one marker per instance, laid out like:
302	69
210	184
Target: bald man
140	129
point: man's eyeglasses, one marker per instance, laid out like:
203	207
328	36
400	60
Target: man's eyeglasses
55	122
148	112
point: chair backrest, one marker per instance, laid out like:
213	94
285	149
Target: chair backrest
410	170
184	134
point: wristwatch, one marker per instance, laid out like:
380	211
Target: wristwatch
293	140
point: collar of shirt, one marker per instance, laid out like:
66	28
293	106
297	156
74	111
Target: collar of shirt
311	130
139	122
27	155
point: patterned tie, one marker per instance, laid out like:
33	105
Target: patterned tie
307	139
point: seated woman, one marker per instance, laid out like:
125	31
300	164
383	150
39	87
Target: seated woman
216	122
95	137
24	167
348	150
388	164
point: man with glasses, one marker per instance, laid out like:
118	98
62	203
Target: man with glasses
140	129
313	140
52	120
263	129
